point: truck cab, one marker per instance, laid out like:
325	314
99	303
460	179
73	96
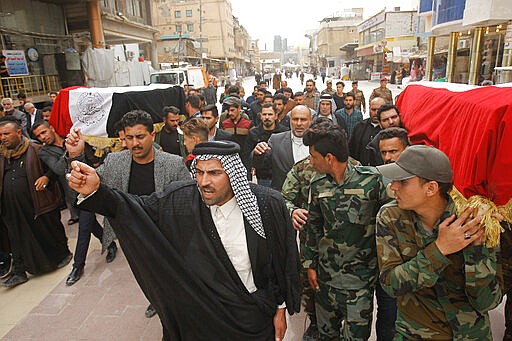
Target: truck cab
193	75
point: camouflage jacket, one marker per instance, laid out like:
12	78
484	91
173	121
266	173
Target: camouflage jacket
385	94
439	297
296	185
340	233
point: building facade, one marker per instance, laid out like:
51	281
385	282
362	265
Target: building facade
223	42
334	33
385	41
50	35
474	37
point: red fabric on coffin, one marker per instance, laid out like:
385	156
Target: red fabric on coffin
474	128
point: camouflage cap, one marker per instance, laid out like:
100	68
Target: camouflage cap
424	161
233	101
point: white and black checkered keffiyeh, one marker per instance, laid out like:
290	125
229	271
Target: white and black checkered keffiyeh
237	174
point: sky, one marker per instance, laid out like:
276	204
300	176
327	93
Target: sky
290	19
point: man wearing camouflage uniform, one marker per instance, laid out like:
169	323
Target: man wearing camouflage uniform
295	193
382	91
340	251
443	276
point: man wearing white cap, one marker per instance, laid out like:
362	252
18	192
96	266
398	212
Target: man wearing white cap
434	262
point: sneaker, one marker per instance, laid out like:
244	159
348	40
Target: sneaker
14	280
311	333
5	266
65	261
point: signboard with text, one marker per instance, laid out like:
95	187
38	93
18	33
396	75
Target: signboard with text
16	62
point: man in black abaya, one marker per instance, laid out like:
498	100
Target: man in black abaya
223	255
30	207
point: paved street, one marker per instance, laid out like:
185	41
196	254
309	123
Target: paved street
107	304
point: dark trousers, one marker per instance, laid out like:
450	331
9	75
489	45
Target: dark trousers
86	225
386	315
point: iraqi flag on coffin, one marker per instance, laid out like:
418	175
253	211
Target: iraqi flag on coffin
472	125
96	110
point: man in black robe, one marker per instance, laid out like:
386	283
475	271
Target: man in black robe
228	273
30	207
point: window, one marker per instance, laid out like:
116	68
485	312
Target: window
190	27
177	14
178	28
189	13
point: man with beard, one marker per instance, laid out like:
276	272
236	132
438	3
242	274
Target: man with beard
30	207
141	170
339	249
311	95
351	115
211	117
279	103
169	137
262	133
236	124
364	133
388	116
230	257
393	142
327	109
51	153
286	148
257	104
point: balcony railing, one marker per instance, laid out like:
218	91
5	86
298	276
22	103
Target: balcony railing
33	86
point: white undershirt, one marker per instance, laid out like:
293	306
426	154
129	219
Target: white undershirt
300	151
229	221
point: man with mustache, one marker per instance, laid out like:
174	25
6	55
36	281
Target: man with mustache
224	262
284	149
262	133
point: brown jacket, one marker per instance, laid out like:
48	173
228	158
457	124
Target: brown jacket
46	200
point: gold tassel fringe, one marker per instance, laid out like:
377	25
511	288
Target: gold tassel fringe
486	208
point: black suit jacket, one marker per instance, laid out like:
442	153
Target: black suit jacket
39	116
281	155
222	135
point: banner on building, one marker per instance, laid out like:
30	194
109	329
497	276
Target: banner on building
16	62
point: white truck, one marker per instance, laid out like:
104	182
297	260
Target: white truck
193	75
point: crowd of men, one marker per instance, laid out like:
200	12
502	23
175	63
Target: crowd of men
372	213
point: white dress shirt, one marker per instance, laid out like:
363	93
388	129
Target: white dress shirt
229	221
300	151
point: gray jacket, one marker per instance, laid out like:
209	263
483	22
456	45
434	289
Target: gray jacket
115	173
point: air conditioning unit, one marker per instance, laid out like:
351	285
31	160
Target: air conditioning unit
462	44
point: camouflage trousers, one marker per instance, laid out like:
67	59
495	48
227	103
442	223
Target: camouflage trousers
506	269
344	314
308	293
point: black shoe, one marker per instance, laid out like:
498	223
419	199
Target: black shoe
5	266
150	311
65	261
74	276
72	221
311	333
111	252
14	280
